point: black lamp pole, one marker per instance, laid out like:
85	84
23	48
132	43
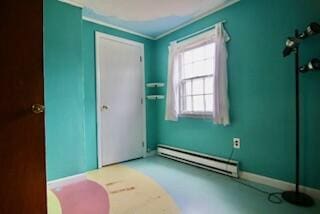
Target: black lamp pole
296	197
297	66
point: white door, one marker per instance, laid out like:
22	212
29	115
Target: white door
120	92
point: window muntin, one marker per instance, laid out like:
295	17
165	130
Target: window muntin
196	82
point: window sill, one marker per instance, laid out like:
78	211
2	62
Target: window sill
196	115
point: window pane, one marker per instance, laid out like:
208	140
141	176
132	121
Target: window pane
209	102
208	85
208	66
197	86
198	61
198	103
188	71
188	106
209	50
188	56
198	53
188	87
198	68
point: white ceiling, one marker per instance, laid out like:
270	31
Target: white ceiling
152	18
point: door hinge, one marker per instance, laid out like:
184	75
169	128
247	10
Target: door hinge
142	143
140	58
141	100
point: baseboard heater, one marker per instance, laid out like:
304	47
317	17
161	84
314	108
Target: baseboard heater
220	165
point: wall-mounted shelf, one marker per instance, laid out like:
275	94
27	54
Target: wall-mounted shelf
155	97
155	85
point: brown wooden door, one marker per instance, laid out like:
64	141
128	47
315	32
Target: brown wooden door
22	142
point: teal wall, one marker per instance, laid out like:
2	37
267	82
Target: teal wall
71	145
89	30
261	89
64	90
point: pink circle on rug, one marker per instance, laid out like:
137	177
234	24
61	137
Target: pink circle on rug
83	197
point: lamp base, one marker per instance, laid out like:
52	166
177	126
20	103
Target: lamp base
298	198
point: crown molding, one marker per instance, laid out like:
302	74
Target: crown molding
116	27
72	3
196	19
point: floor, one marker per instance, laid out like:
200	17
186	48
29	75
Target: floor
159	185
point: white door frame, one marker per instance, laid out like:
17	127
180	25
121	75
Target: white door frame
98	36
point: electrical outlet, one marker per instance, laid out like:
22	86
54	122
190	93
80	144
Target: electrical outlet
236	143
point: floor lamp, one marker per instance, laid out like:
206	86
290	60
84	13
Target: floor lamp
292	46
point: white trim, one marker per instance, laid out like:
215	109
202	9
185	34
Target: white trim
144	104
66	180
126	41
196	19
97	70
72	3
279	184
116	27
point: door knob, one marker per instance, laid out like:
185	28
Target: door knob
105	107
37	108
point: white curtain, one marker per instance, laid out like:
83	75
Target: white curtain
172	100
220	113
219	36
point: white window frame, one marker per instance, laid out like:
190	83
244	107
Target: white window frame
182	93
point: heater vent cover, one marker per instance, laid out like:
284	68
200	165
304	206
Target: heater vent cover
216	164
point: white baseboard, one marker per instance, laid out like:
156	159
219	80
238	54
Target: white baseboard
279	184
66	180
150	153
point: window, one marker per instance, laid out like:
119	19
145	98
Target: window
196	80
197	83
